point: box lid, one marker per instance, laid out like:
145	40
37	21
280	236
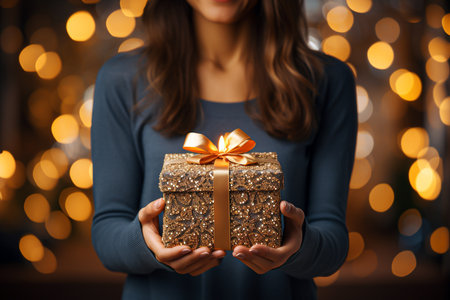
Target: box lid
177	175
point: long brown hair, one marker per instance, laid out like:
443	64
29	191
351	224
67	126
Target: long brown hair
285	70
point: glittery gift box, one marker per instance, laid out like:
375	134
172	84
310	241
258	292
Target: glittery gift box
254	196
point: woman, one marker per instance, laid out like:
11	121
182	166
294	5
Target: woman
213	66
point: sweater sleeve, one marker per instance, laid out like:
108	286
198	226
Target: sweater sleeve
118	176
325	236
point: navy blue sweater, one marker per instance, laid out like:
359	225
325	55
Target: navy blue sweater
127	157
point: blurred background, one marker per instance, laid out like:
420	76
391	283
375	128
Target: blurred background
399	202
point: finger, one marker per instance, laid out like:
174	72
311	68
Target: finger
246	254
151	211
292	214
162	253
188	262
249	264
269	253
219	254
202	269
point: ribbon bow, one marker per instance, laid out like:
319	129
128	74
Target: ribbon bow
237	143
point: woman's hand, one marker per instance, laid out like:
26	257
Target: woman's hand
180	258
261	258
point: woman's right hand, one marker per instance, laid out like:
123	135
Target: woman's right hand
182	259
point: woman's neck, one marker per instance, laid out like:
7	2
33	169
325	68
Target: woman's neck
222	45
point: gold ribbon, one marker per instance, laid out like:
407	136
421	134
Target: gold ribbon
236	143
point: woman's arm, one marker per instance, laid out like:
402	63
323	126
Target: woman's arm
323	235
118	176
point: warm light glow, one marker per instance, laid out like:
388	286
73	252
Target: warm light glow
47	264
365	264
362	98
130	44
79	173
403	263
58	225
18	179
439	93
387	30
36	208
444	111
359	6
337	46
434	14
49	169
381	197
222	147
78	206
431	155
380	55
70	89
437	71
394	77
439	49
31	247
446	23
356	245
413	140
409	222
41	179
362	171
48	65
80	26
65	129
120	25
29	55
90	1
11	39
327	280
7	164
58	158
85	113
133	8
439	240
364	144
407	84
428	183
340	19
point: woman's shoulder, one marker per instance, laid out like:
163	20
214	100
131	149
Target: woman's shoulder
122	66
334	69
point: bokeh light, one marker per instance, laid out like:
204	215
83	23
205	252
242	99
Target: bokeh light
47	264
387	30
439	49
364	144
406	84
409	222
356	245
79	173
40	177
413	140
7	164
78	206
36	208
326	280
58	225
380	55
361	174
130	44
365	264
446	23
65	129
80	26
403	263
119	25
29	55
58	158
337	46
439	240
359	6
434	14
132	8
11	39
340	19
444	111
85	112
436	70
31	248
48	65
381	197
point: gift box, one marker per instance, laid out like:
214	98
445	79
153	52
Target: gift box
250	208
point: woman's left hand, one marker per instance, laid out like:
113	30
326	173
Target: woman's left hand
261	258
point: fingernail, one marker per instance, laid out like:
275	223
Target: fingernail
254	251
240	255
204	254
185	251
157	203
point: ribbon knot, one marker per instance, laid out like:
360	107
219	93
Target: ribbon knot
236	142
